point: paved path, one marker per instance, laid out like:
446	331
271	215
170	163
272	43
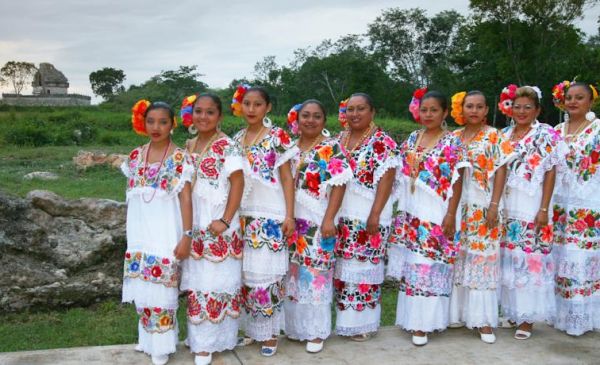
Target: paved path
391	346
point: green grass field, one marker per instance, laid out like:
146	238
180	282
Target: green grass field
46	140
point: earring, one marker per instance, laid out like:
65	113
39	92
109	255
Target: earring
590	116
192	129
325	133
267	122
444	124
171	132
512	123
566	118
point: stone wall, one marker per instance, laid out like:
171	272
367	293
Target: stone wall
46	100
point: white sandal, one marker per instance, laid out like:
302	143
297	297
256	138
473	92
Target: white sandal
522	335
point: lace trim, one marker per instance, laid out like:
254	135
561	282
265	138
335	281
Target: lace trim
351	331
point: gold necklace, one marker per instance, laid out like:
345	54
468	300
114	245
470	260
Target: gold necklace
515	138
418	157
570	137
361	140
468	142
304	153
207	146
245	147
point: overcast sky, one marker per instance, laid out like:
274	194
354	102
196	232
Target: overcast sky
224	38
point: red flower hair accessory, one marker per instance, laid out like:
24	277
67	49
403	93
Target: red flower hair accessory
137	117
342	113
507	97
187	110
292	118
457	107
238	96
415	103
558	94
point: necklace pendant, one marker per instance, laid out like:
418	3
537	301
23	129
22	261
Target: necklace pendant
413	185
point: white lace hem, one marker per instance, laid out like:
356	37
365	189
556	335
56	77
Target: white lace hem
477	308
353	271
307	321
157	344
211	337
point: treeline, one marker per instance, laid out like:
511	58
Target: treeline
527	42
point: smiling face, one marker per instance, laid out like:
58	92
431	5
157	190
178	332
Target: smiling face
254	107
525	111
578	101
359	113
158	125
206	115
311	120
475	109
431	113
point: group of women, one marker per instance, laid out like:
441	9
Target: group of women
263	231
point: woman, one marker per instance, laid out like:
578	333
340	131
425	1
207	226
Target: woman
267	216
527	293
422	245
159	228
212	277
365	219
321	172
474	299
577	217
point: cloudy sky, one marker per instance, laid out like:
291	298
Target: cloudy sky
224	38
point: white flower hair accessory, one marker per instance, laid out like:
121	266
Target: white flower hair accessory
537	91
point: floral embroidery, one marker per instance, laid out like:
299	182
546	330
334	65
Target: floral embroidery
424	280
156	319
423	237
259	232
531	151
155	269
584	152
170	171
475	235
486	152
263	156
305	251
571	288
356	296
215	249
522	235
371	156
309	285
264	301
438	164
355	242
319	165
213	307
577	226
210	167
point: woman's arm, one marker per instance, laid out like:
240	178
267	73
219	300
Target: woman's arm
183	248
333	206
541	219
499	182
287	183
384	189
236	180
449	221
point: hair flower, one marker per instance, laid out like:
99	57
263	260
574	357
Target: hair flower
238	96
507	97
292	118
457	107
187	110
415	103
342	113
137	117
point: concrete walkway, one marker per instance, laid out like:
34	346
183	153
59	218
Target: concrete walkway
391	346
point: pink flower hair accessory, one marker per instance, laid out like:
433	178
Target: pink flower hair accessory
415	103
342	113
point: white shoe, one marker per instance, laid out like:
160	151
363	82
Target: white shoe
202	360
522	334
314	347
160	359
456	325
186	342
488	337
138	348
419	340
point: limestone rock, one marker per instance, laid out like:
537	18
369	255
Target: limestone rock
41	175
85	159
56	252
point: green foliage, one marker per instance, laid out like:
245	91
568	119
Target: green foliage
107	82
17	73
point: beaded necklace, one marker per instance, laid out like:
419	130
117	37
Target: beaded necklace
360	141
418	157
157	173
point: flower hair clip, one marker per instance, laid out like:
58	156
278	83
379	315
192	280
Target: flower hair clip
457	107
415	103
342	113
292	119
238	96
137	117
507	97
537	91
187	109
558	94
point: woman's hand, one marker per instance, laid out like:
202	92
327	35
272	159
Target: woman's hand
373	224
216	227
449	226
328	228
183	248
288	227
541	220
492	217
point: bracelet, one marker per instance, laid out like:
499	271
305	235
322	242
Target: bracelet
494	203
543	209
288	218
188	233
450	214
225	222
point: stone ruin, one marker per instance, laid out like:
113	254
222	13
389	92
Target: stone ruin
50	88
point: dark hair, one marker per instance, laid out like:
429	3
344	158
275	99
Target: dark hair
441	98
528	92
318	103
161	105
473	93
367	98
584	85
215	99
261	90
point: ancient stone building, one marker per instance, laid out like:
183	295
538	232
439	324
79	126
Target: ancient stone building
49	81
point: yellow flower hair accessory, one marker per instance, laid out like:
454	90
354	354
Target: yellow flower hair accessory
457	107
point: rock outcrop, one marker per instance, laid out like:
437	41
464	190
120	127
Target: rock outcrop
56	252
85	159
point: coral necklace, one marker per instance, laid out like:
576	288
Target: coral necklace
157	173
514	137
418	157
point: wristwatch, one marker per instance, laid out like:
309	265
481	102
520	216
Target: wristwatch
188	233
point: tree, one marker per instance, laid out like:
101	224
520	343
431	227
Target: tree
107	82
18	73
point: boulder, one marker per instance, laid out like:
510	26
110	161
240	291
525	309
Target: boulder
85	159
56	252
